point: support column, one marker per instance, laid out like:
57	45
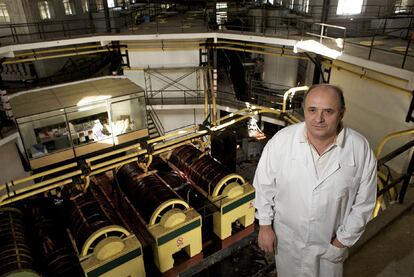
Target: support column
107	19
214	86
90	15
325	11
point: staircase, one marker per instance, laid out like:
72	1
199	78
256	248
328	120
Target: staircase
155	128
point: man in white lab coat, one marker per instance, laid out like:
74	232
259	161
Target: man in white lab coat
316	183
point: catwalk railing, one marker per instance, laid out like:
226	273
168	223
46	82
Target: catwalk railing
291	25
404	178
390	187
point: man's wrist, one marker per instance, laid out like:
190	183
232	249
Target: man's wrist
267	226
335	242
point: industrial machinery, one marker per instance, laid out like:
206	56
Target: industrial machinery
104	246
16	255
54	251
172	223
167	201
229	192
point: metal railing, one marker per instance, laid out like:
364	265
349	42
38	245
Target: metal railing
155	119
133	22
387	184
366	10
315	10
170	97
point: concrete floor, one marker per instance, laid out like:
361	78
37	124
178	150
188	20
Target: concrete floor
390	253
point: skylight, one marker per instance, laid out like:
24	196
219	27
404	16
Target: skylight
348	7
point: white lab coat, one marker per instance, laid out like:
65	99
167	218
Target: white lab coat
307	211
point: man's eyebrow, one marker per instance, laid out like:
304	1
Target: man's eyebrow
325	109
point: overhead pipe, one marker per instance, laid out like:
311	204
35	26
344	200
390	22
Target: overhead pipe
43	183
292	92
35	53
263	52
37	175
98	157
128	156
5	200
254	45
56	56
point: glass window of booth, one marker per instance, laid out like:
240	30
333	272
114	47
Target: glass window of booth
89	123
128	115
43	134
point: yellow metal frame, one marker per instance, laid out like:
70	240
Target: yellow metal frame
98	235
231	209
378	151
169	204
380	199
98	157
145	165
168	241
292	92
38	175
233	178
388	137
130	261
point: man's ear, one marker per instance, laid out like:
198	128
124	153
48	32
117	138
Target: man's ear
343	113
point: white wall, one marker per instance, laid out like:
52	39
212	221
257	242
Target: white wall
164	58
49	67
171	64
375	110
175	119
280	70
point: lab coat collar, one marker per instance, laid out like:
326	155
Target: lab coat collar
343	156
339	139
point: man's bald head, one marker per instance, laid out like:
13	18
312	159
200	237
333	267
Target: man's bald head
333	88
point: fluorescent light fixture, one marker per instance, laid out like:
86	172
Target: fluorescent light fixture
316	47
92	99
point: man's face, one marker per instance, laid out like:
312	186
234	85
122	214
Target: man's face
322	113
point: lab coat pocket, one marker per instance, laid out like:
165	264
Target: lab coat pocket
335	254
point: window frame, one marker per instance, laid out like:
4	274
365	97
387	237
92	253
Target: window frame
4	13
401	6
45	10
344	3
85	6
69	7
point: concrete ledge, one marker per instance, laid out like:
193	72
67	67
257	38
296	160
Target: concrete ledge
384	219
9	138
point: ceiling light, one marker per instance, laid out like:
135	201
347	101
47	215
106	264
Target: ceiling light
316	47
